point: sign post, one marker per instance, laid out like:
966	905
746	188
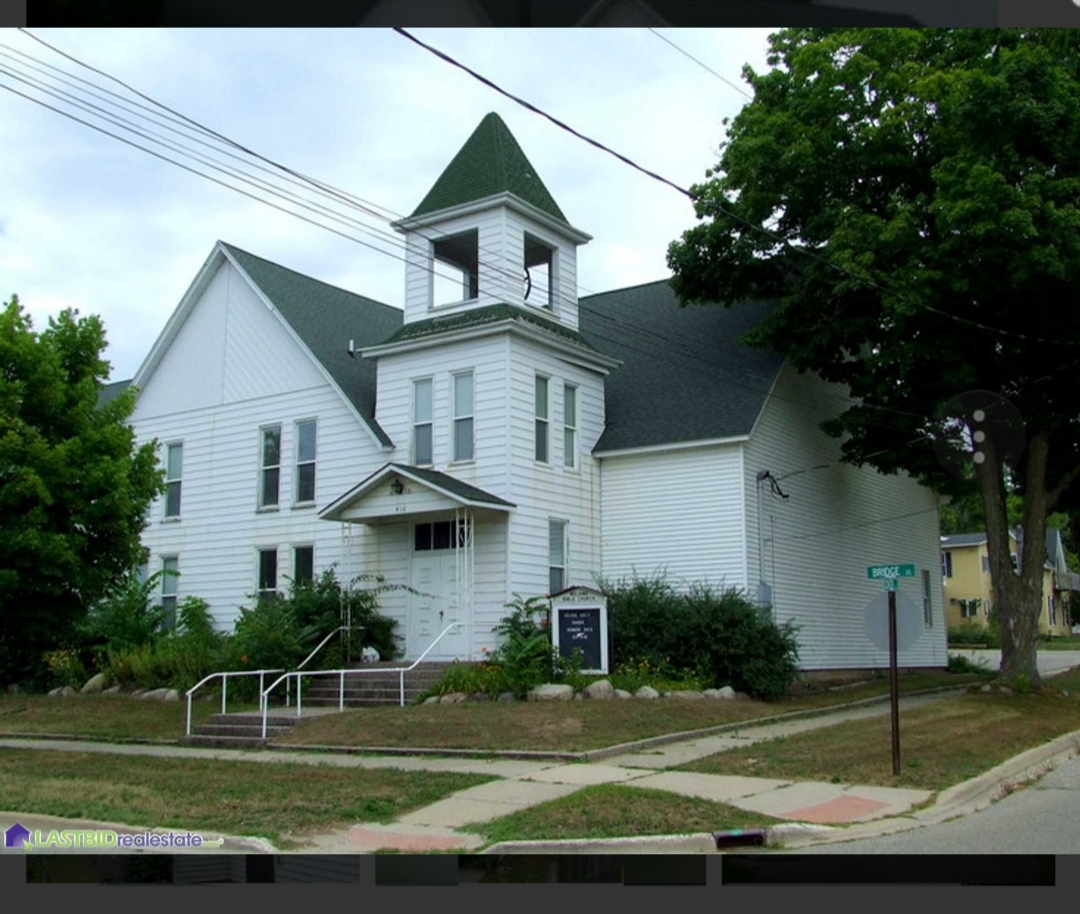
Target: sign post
890	576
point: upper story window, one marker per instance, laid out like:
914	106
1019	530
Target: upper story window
557	549
270	473
174	467
305	461
539	273
455	275
463	416
570	426
422	421
946	564
541	419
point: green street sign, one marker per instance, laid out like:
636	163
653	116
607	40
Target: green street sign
890	583
878	572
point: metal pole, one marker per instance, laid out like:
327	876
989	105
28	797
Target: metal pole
341	692
189	714
224	689
894	685
262	697
299	686
401	686
288	692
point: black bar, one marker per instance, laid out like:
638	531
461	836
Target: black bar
894	684
889	869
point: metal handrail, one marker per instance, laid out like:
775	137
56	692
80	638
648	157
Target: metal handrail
302	664
342	673
224	687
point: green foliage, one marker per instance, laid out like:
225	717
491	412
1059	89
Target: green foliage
894	193
972	632
632	674
703	636
268	636
65	668
471	678
963	665
525	655
126	617
74	487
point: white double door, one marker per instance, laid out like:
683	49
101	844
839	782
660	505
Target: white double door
435	605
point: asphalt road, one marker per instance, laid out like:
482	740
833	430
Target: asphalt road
1042	818
1047	661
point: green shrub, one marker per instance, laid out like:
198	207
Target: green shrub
268	636
126	618
471	678
525	654
970	632
65	668
963	665
707	637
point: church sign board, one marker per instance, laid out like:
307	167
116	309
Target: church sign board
579	623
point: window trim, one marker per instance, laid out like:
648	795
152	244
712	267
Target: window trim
928	603
565	552
553	250
259	505
570	395
308	502
546	419
455	418
295	549
174	581
414	424
432	265
260	591
946	564
179	481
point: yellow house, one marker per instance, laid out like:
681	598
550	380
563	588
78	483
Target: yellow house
965	573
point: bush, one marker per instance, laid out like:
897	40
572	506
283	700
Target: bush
634	674
971	632
708	637
963	665
268	636
125	619
471	678
526	656
65	668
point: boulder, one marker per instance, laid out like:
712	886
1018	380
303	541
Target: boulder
507	696
622	693
171	695
480	696
13	689
646	692
154	695
138	693
66	691
94	684
1004	690
54	692
112	690
551	692
578	696
453	698
726	692
599	689
433	700
687	694
985	688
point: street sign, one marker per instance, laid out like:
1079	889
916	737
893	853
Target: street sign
877	572
890	583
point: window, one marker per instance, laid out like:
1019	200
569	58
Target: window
1051	608
1015	561
170	568
969	609
267	572
946	564
541	419
174	465
986	563
557	555
539	274
270	475
570	426
439	535
454	273
305	461
927	609
303	564
463	416
422	422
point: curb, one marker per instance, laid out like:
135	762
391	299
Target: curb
959	800
699	843
522	754
83	738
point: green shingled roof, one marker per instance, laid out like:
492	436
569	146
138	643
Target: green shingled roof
326	318
488	314
491	162
453	485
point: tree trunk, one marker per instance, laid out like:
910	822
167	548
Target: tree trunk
1017	595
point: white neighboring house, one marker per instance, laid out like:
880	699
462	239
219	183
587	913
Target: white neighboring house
499	436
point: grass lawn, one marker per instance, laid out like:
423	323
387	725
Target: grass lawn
104	716
616	811
566	726
1065	644
941	744
239	798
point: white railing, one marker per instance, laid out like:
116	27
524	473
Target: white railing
341	674
304	662
225	687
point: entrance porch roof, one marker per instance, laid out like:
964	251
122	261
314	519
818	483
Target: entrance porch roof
397	491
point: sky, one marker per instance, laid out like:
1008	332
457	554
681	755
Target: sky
87	222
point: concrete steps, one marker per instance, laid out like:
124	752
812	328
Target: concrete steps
374	688
238	731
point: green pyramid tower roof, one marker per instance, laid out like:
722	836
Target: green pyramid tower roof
491	162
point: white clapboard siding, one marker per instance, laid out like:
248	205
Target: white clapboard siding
836	522
552	491
676	513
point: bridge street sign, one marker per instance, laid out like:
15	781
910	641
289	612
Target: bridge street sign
880	572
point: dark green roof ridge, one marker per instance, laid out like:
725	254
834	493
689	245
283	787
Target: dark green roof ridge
478	317
491	162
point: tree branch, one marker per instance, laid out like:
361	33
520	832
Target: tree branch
1059	490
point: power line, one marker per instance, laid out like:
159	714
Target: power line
704	66
844	529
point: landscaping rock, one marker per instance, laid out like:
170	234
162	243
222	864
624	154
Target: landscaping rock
551	692
1004	690
986	688
646	692
622	693
1064	693
171	695
600	689
507	696
726	692
453	698
434	700
138	693
112	690
94	684
687	694
54	692
578	696
13	689
154	695
66	691
480	696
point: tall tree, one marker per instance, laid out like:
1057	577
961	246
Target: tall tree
909	198
74	488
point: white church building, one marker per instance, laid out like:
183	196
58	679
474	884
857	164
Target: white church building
503	436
